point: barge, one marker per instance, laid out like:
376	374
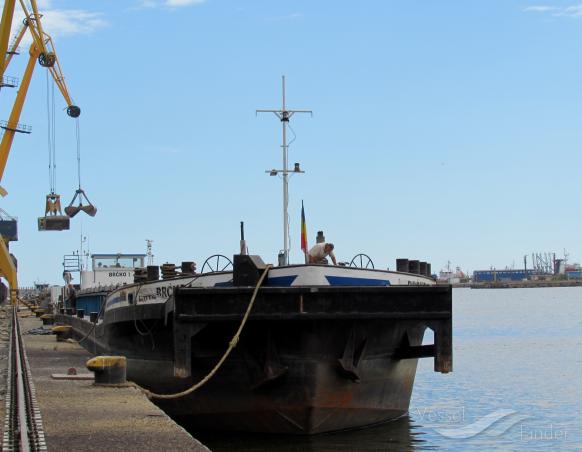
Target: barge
326	348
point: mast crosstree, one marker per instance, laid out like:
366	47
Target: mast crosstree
284	115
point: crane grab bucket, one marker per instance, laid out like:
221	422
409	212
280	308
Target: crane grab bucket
72	210
53	219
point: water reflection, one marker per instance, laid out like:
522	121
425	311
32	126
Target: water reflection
401	435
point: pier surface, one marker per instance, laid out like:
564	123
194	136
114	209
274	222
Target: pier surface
78	416
525	284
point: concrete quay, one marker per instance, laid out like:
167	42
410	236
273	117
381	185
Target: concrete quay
526	284
80	416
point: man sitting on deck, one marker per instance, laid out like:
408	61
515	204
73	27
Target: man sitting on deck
319	252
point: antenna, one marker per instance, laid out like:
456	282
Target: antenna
149	252
284	116
83	254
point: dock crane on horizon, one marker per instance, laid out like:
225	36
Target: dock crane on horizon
42	50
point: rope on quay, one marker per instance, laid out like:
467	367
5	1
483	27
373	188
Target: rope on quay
232	344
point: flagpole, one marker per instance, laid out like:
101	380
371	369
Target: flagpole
304	245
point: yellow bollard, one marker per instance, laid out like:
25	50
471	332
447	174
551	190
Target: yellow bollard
63	332
109	370
47	319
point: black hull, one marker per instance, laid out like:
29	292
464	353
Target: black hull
305	374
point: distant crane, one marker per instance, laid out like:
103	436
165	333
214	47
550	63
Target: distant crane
543	263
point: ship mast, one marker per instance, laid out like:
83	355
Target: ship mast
284	116
150	254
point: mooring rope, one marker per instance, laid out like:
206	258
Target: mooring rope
231	345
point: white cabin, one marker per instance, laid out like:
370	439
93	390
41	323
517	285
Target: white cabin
111	270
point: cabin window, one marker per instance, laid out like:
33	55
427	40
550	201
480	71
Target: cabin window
102	261
130	298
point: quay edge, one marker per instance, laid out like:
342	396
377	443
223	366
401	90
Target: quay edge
77	415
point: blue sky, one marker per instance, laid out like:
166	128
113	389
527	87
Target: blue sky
442	130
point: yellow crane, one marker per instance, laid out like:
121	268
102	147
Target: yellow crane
46	55
42	50
5	27
47	58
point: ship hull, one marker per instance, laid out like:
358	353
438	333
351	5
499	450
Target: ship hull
308	361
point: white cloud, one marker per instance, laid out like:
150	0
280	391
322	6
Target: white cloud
558	11
168	3
572	11
62	22
44	4
147	4
179	3
539	9
72	21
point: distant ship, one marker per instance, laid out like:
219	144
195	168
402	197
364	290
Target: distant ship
448	276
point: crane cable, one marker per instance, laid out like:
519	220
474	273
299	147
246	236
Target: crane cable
231	345
78	136
51	135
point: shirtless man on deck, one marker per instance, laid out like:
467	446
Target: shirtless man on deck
319	252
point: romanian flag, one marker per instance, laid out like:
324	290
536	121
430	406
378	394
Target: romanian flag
303	231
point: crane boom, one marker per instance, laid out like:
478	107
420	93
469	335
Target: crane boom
72	110
12	126
13	47
36	31
46	56
8	270
45	47
5	27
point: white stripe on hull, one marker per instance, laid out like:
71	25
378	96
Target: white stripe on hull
299	275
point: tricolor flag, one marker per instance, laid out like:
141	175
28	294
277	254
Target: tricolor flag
303	232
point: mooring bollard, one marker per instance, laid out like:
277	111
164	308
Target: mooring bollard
402	265
109	370
94	316
38	312
63	332
47	319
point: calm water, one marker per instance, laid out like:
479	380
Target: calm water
516	385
